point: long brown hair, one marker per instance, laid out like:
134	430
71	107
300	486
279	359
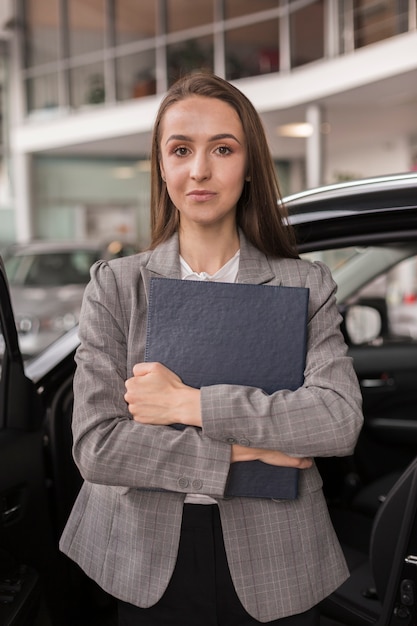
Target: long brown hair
260	212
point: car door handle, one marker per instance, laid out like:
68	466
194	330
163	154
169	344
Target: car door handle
10	506
377	383
7	515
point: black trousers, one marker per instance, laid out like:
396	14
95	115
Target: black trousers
201	592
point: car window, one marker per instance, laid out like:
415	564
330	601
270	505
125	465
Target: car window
334	259
382	277
52	269
397	290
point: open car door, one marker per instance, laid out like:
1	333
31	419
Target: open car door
25	536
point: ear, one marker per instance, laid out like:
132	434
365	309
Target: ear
162	171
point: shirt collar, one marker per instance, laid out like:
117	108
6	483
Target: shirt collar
226	274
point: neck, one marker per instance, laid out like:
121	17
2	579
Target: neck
210	252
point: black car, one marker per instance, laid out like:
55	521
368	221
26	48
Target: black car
366	231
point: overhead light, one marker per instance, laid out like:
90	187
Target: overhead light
301	129
298	129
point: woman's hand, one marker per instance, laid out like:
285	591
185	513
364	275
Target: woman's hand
272	457
155	395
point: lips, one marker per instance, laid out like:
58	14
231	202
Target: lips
201	195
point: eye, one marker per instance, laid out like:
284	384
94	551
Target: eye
224	150
181	151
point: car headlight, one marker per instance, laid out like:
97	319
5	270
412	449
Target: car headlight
63	322
26	324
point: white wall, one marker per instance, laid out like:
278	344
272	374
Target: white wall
368	158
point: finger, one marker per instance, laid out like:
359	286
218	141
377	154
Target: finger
144	368
299	462
130	382
305	463
141	369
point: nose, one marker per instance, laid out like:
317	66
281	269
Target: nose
200	167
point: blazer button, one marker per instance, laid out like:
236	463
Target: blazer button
230	440
183	482
197	484
244	442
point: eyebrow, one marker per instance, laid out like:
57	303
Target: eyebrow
213	138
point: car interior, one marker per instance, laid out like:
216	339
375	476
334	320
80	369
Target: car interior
381	588
372	496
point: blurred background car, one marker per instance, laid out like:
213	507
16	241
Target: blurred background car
47	281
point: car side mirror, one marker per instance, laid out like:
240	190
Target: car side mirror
363	324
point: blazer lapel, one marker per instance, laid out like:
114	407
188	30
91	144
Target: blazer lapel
254	267
164	261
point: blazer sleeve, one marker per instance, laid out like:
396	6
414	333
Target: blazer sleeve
321	418
109	446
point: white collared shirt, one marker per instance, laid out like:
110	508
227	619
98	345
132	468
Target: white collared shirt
226	274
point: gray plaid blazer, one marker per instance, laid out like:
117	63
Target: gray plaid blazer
283	556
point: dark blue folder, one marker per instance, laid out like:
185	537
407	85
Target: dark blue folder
212	333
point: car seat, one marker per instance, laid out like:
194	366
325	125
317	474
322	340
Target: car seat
382	586
369	498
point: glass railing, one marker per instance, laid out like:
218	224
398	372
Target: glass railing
243	39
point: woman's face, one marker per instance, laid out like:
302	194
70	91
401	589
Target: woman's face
203	160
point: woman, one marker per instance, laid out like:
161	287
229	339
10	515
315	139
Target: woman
150	524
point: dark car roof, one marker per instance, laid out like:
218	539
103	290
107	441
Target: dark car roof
360	211
51	247
99	249
371	194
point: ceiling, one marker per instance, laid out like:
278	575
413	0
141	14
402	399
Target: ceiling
370	113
